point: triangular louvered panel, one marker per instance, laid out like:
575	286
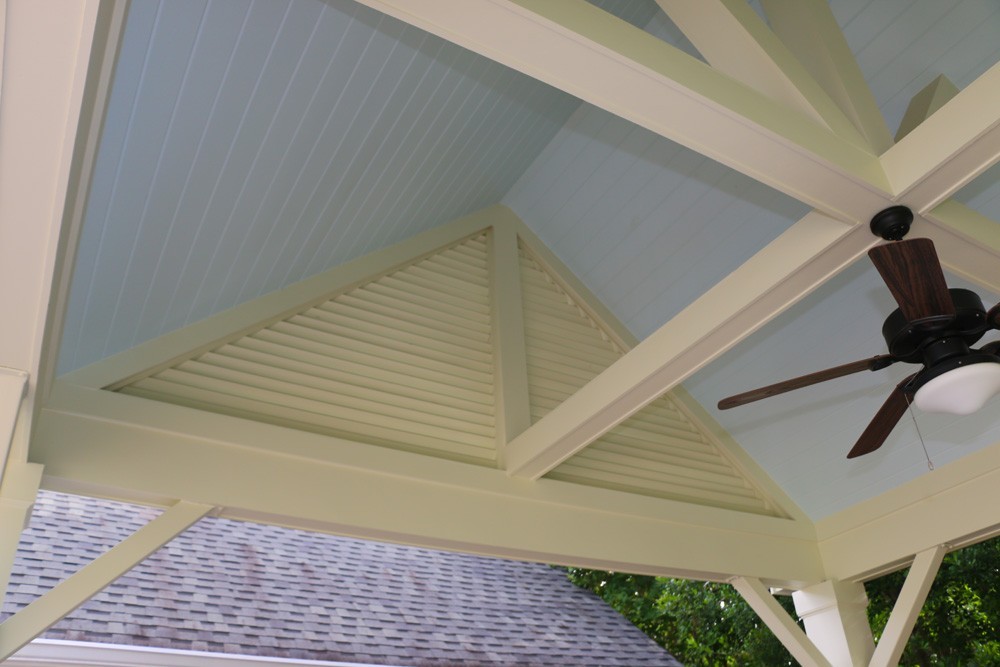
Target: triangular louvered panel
565	347
404	361
657	452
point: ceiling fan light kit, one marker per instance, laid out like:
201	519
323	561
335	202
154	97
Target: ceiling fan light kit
961	390
934	326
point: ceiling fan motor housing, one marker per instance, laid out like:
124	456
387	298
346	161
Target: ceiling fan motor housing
922	342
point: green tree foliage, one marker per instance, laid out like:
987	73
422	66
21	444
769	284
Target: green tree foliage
704	623
699	623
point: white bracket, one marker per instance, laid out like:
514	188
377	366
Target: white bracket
904	613
784	627
69	594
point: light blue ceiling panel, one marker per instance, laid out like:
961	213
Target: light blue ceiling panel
251	144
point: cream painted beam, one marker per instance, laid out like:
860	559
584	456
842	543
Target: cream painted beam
904	613
578	48
950	148
781	624
810	31
736	41
956	504
935	95
811	251
34	619
966	241
56	65
102	443
17	498
13	388
510	377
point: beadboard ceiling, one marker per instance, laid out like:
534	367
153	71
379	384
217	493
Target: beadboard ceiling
249	145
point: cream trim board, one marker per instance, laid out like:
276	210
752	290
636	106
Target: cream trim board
956	504
165	351
116	446
122	412
61	653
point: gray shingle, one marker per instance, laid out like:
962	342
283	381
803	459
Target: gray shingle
245	588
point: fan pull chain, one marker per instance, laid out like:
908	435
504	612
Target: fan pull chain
930	464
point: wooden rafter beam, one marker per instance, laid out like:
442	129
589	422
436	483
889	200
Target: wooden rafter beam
810	31
950	148
108	444
803	257
736	41
586	52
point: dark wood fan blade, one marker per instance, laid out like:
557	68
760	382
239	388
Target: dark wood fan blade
875	363
912	272
993	317
883	422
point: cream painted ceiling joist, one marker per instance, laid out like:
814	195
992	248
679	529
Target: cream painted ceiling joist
735	41
967	242
586	52
952	505
56	69
950	148
811	251
810	31
108	444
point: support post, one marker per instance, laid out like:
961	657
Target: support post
69	594
513	411
907	608
835	614
13	389
781	624
17	498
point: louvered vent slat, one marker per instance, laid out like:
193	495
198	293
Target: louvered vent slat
404	361
396	383
353	360
656	452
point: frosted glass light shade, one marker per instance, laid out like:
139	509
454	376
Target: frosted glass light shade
961	391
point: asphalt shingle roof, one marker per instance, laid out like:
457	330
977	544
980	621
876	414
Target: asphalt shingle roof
243	588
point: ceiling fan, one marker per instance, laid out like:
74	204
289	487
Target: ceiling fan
934	326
